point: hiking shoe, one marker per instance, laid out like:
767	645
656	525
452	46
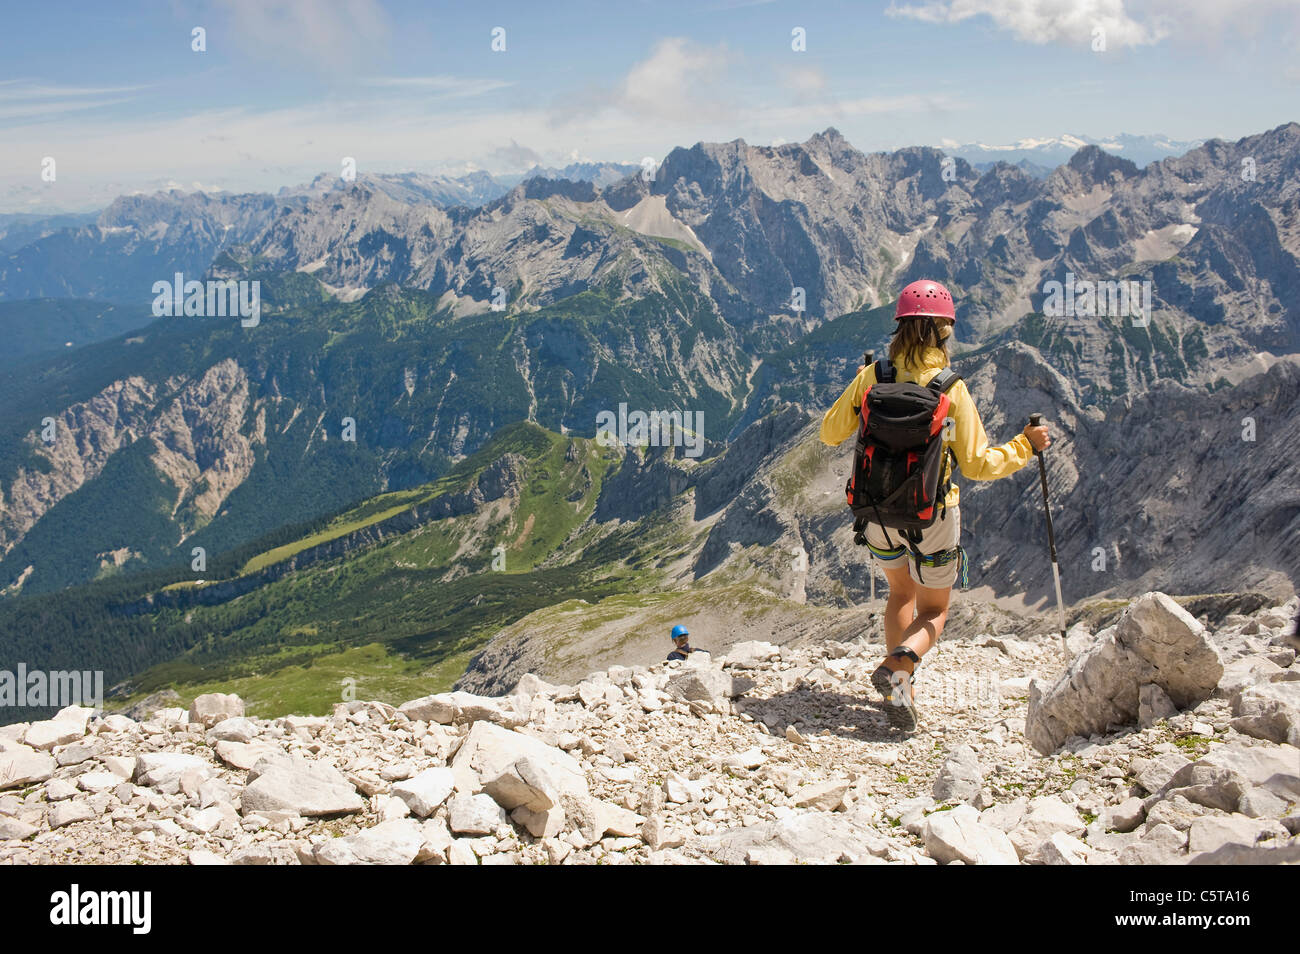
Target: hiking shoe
902	712
896	692
880	681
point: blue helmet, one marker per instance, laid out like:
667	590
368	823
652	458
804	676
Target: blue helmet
679	630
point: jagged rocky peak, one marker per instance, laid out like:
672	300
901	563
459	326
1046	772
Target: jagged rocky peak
830	136
1093	166
1004	182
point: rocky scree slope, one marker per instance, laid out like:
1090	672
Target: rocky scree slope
773	754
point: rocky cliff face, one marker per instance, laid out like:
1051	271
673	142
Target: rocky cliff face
201	436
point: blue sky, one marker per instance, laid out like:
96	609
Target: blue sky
286	88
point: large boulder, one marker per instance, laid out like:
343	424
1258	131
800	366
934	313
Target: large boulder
163	769
46	735
592	819
459	708
1046	816
959	835
751	654
1269	711
711	688
20	765
1230	771
232	729
811	838
1153	774
1245	672
1060	849
475	815
1212	832
423	793
1154	642
312	789
213	707
527	783
244	755
961	776
490	750
388	843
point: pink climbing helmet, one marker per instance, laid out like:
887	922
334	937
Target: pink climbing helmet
925	297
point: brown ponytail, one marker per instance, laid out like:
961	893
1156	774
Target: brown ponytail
914	335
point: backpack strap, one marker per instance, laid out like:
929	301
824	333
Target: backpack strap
885	373
942	382
945	379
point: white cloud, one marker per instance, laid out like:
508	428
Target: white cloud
678	77
328	34
1043	21
1127	23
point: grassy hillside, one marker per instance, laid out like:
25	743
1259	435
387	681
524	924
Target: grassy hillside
423	386
419	602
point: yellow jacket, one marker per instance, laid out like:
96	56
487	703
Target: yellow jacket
976	459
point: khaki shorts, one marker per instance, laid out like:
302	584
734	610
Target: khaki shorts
942	537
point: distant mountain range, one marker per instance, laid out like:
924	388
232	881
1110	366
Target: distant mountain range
470	190
116	255
404	335
1046	154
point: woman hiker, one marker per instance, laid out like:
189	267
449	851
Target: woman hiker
920	581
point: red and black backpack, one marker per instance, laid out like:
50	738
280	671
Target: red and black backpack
900	454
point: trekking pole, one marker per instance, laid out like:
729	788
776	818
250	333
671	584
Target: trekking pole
868	359
1036	420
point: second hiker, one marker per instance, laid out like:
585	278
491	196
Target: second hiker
922	556
682	648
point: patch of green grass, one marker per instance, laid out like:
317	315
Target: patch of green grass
375	674
901	779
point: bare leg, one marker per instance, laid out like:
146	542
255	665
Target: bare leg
916	620
900	608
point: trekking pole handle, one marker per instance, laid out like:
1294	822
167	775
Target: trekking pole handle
1036	420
